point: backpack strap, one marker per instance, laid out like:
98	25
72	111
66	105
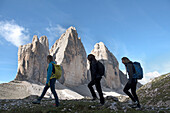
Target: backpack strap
53	70
134	71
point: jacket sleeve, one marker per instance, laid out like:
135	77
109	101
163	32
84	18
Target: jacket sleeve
93	70
49	72
130	72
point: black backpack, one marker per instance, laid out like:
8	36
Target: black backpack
100	68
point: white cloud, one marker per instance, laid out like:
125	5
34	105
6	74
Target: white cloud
149	76
3	82
55	31
13	33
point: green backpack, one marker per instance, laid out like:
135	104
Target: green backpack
57	71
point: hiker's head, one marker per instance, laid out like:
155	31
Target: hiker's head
49	58
91	57
125	60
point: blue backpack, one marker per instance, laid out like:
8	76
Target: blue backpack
138	70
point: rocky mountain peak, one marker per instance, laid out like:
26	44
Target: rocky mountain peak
69	52
100	44
71	28
44	41
32	63
35	39
111	78
99	50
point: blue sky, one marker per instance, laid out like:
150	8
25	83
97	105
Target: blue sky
138	29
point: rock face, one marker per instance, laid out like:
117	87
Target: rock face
32	60
123	78
22	89
111	78
69	52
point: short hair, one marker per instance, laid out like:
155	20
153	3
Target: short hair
50	58
91	56
125	58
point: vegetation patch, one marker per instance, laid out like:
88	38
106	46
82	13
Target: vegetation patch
156	92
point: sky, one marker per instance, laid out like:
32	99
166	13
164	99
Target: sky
137	29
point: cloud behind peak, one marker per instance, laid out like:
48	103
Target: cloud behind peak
14	33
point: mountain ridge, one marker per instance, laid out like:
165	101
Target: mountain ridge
156	92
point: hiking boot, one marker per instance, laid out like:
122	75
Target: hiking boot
136	105
133	103
94	98
36	102
99	105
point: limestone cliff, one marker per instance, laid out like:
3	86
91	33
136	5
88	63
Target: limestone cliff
32	60
111	78
69	52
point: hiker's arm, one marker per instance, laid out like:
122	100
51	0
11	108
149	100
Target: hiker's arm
93	70
49	72
130	72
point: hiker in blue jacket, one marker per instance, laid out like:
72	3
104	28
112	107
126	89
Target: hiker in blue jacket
49	83
132	82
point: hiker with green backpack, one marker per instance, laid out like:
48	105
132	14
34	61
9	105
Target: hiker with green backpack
53	72
135	72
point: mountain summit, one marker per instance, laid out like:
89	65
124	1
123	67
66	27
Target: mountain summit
32	60
69	52
111	78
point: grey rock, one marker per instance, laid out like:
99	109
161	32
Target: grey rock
68	51
111	78
32	60
123	78
113	106
112	98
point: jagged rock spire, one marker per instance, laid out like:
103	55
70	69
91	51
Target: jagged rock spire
111	78
69	52
32	60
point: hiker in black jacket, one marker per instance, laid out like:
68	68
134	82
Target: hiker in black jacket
132	82
95	79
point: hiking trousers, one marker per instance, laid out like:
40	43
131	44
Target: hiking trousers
52	87
96	82
131	86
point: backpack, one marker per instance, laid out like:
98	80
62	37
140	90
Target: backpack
138	70
57	71
101	68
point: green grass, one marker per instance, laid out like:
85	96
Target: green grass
70	106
